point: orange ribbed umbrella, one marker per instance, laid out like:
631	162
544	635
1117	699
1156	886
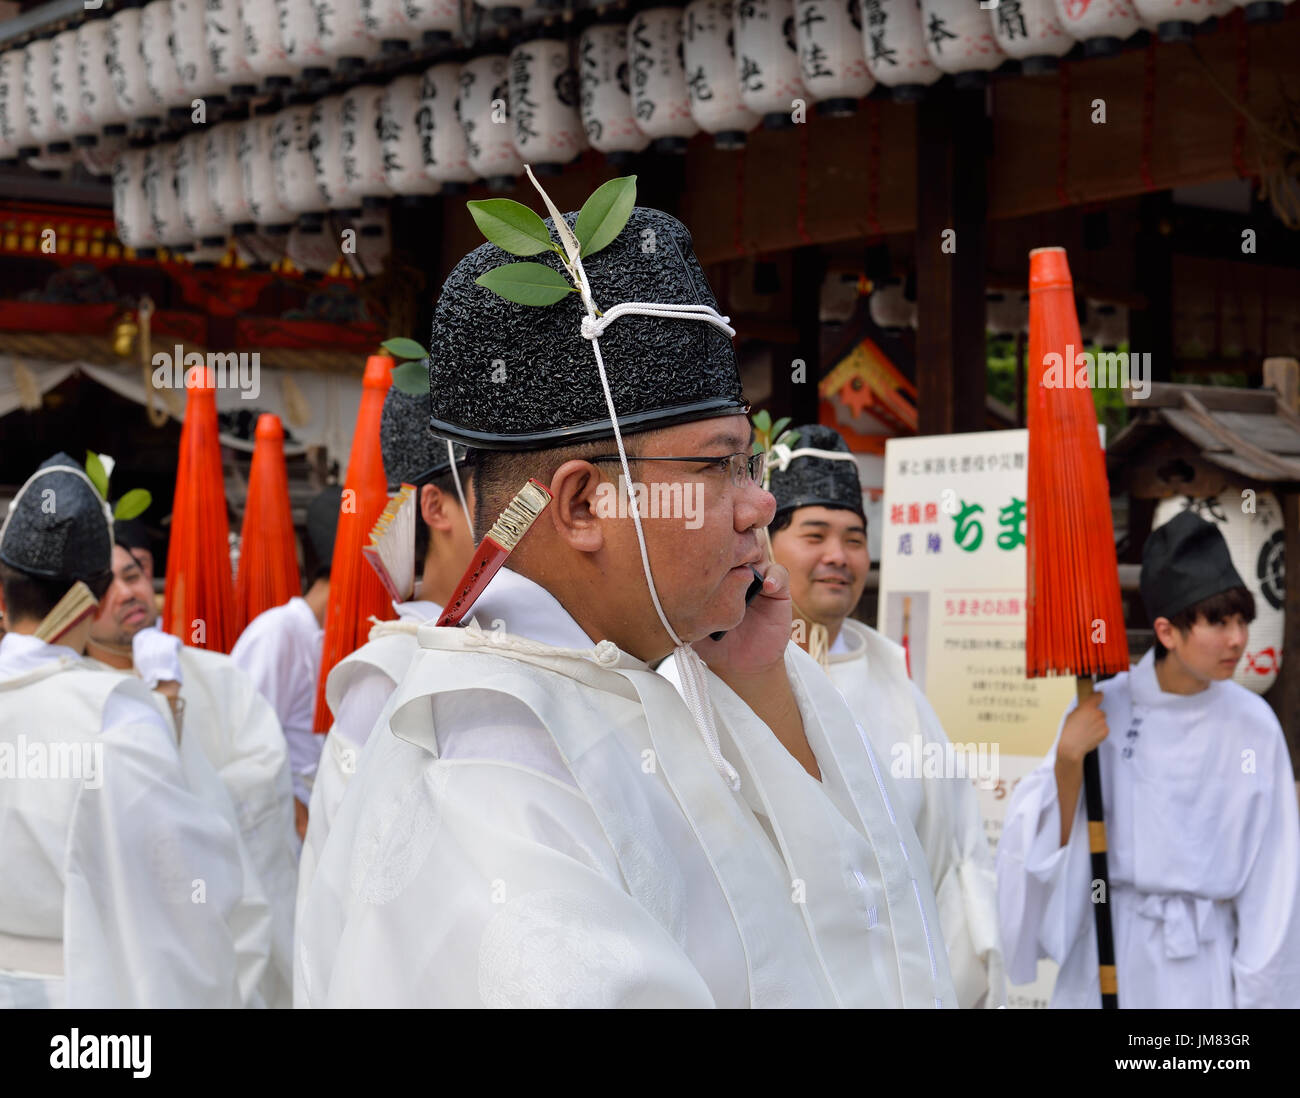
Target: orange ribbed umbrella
1074	617
268	558
356	594
199	597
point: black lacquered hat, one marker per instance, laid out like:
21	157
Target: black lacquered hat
1183	562
413	454
811	480
506	376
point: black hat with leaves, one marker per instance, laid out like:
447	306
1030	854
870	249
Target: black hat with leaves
413	454
814	480
511	368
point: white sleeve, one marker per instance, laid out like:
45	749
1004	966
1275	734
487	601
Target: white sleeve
951	831
1266	961
1043	887
152	877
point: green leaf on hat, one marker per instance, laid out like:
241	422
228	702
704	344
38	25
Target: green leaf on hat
95	470
605	213
400	347
781	425
412	378
511	226
526	283
134	503
763	421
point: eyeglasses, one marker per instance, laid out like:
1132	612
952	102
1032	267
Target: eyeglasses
742	466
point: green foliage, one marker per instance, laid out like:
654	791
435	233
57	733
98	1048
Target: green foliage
511	226
605	213
412	377
97	473
134	503
526	283
401	348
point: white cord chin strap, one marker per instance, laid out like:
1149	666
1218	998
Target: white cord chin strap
460	491
689	664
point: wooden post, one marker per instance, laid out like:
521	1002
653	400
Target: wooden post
952	203
1283	374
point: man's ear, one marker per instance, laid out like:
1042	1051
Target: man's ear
573	509
435	508
1165	632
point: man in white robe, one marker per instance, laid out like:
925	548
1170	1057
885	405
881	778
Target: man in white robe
234	729
819	534
544	820
1201	819
119	887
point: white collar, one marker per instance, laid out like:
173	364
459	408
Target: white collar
301	609
23	652
527	609
1146	689
417	610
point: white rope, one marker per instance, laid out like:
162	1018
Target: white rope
460	492
782	455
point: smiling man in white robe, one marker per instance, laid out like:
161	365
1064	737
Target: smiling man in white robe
545	820
819	534
1201	818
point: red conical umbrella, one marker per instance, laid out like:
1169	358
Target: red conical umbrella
356	593
268	559
199	598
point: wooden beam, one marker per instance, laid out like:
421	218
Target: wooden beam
1284	695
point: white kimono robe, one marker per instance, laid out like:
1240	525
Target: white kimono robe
540	824
101	876
280	650
1204	856
871	672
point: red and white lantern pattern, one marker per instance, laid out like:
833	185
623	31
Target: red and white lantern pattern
442	141
1098	20
399	134
1029	29
767	58
135	99
301	35
190	50
256	137
660	100
160	71
225	179
325	143
130	202
959	36
363	154
160	173
345	32
831	60
262	43
292	169
65	86
223	31
483	108
197	208
893	39
38	102
98	103
434	15
15	133
544	121
712	79
604	91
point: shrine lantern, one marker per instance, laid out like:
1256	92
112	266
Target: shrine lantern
657	75
345	34
38	97
1029	31
436	20
190	51
767	62
225	177
325	143
70	121
363	153
504	11
131	203
256	139
200	213
160	70
1263	11
543	94
223	32
402	25
1102	26
442	141
484	114
960	39
893	39
303	39
832	65
1177	20
292	170
399	134
94	82
99	158
15	132
263	44
136	100
888	306
605	94
160	190
712	80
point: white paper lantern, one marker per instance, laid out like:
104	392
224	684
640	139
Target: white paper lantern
131	202
225	178
302	37
1102	25
374	244
197	208
99	158
363	154
959	36
712	79
442	141
1263	11
483	109
325	143
1177	20
401	25
767	60
604	92
312	249
257	251
263	45
52	165
1029	31
504	11
160	171
660	99
223	31
399	135
292	169
256	139
889	308
893	39
832	65
38	100
15	131
1257	546
136	100
69	119
544	121
1004	312
345	37
160	71
190	52
94	84
436	20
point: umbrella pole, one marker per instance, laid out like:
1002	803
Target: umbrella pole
1100	872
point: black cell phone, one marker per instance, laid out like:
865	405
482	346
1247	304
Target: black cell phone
754	588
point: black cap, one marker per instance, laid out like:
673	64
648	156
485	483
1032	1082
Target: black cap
413	454
323	522
1184	562
813	481
59	527
131	534
505	376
